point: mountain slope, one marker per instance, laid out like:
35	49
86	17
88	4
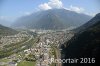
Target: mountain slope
84	45
88	24
52	19
6	31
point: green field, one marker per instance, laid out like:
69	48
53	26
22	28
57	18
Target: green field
26	63
4	60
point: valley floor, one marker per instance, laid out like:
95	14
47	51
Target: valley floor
24	49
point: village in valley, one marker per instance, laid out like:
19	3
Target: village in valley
36	47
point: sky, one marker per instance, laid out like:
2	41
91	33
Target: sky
12	9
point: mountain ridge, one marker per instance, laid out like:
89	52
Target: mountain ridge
88	24
6	31
85	44
60	18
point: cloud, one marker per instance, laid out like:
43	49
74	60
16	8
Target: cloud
55	4
51	4
44	6
80	10
58	4
91	14
76	9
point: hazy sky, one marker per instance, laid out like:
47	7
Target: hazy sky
12	9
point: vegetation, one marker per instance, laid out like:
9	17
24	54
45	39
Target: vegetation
53	64
26	63
30	57
84	45
4	60
7	31
15	48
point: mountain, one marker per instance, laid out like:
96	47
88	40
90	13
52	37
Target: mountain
85	44
52	19
88	24
6	31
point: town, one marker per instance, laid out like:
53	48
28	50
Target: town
36	49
